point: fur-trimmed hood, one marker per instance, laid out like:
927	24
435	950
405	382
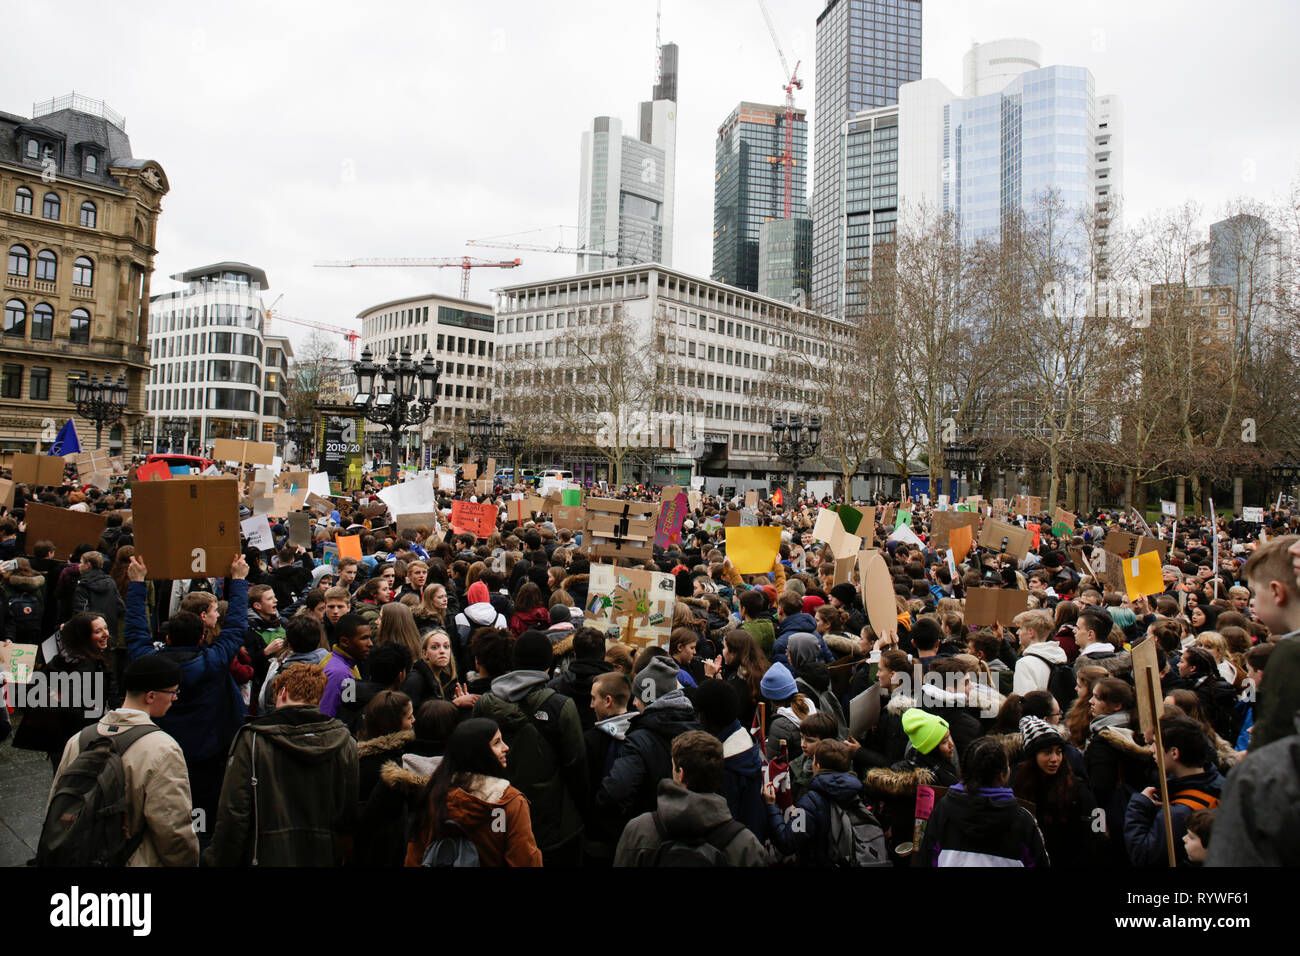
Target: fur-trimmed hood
30	583
378	745
899	703
571	580
897	781
563	646
1123	740
411	776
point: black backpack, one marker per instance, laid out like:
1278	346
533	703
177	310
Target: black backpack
1062	685
707	849
856	837
453	849
90	813
25	612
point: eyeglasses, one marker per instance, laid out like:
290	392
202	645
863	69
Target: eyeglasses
174	694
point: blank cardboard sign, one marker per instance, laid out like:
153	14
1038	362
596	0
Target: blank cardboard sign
987	606
186	527
248	452
63	528
37	469
1018	539
941	522
877	593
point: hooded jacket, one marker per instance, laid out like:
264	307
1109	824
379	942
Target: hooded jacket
805	831
742	779
547	766
33	623
1258	820
384	827
763	633
632	785
289	793
986	829
798	624
575	683
685	815
479	612
157	791
476	807
1144	821
97	592
1033	670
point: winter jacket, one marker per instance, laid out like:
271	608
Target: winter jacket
1144	824
885	744
388	814
157	791
798	624
742	779
339	670
476	809
96	592
210	709
632	785
547	760
1033	670
986	829
892	791
805	830
575	683
289	794
423	684
764	634
470	620
1279	697
685	815
265	702
372	754
72	700
1118	767
24	619
1072	840
1258	820
538	619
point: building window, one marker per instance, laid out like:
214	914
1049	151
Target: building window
83	272
79	327
92	163
16	317
40	387
47	266
23	200
19	260
11	383
88	214
52	205
73	379
43	323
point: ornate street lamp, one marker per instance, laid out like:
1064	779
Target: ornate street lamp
514	447
300	431
960	458
100	402
1286	473
397	394
175	429
795	440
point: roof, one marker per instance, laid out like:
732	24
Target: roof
217	268
75	133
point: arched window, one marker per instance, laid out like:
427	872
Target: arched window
23	200
88	214
19	261
92	163
42	322
79	327
16	317
47	266
83	272
52	205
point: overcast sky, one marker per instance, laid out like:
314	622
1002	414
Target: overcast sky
293	132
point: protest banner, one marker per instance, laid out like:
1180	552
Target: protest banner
1017	539
753	550
300	530
637	602
349	545
672	515
571	518
476	518
153	471
942	523
1142	575
830	528
257	530
1128	545
207	509
989	606
37	469
17	662
960	543
63	528
243	452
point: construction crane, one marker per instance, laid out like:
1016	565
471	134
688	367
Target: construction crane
507	242
791	84
349	334
464	263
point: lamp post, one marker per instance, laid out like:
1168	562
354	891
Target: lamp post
961	459
175	429
514	447
1285	473
100	402
795	440
397	394
300	432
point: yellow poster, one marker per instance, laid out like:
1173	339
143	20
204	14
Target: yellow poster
1142	575
753	550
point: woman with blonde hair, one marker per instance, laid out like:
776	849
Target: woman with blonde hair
433	675
432	612
1216	644
397	626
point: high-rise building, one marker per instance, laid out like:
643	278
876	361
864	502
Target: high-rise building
868	199
749	186
625	194
866	49
785	260
78	216
1018	130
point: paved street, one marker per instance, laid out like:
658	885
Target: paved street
24	785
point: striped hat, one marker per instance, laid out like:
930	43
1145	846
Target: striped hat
1038	735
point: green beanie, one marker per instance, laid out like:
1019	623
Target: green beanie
925	731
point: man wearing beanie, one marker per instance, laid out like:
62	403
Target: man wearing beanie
157	783
547	761
632	784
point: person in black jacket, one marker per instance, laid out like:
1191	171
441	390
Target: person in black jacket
588	664
807	830
96	592
1064	805
742	758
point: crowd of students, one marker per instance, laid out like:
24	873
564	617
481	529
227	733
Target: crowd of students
446	700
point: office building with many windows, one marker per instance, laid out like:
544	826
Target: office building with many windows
785	260
866	49
749	186
78	217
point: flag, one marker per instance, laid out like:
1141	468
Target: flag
67	442
778	499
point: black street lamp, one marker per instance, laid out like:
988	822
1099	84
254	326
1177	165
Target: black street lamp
795	440
101	402
1286	473
514	447
175	429
961	459
397	394
300	431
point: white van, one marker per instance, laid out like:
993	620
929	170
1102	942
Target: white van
555	474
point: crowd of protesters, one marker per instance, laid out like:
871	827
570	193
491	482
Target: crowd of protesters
446	699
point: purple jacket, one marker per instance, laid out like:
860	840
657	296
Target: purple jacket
339	669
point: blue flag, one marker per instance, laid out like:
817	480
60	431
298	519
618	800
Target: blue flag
67	443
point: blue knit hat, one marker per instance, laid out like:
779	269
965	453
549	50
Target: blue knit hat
778	684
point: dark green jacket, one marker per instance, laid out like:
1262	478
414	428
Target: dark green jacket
1279	697
305	798
551	775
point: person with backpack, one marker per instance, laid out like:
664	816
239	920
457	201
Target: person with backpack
97	592
1191	787
548	762
691	824
470	816
124	761
1041	658
24	598
830	825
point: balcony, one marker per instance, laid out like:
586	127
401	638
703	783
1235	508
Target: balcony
43	285
82	292
21	283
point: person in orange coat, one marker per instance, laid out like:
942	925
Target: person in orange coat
468	790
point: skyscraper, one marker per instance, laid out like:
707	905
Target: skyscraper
866	49
749	186
625	197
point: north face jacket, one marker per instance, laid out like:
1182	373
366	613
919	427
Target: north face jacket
632	785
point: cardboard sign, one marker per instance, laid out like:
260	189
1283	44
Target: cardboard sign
469	470
572	497
476	518
300	530
65	529
989	606
318	503
1029	505
257	530
751	499
446	481
17	662
1142	575
1018	539
638	602
1067	518
732	519
1146	681
1036	531
153	471
293	481
414	520
483	487
960	541
619	529
1109	569
244	452
1168	509
284	503
830	528
748	518
753	550
694	499
1128	545
521	509
877	593
844	570
186	527
37	469
492	467
864	712
942	523
571	518
672	515
1255	515
859	521
6	493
